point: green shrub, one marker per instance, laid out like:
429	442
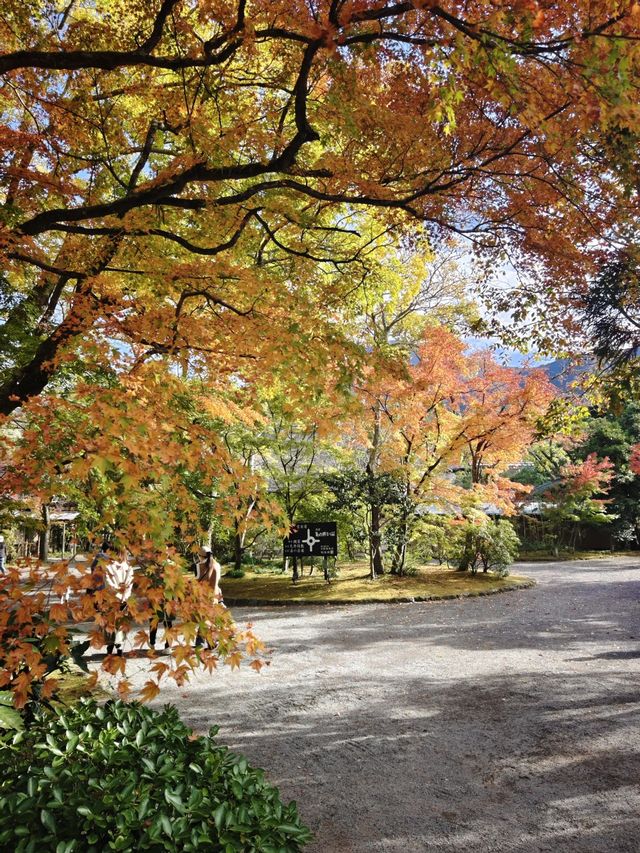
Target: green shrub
125	777
494	545
234	573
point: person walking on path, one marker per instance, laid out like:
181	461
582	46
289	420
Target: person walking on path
98	567
3	555
209	571
118	575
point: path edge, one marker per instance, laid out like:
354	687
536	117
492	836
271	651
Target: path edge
526	583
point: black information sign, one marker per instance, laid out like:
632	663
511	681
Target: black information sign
312	539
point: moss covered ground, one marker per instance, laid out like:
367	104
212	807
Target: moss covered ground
75	684
353	585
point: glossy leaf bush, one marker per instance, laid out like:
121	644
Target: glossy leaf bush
126	777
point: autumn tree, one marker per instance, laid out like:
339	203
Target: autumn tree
406	288
453	410
157	157
245	504
422	436
292	450
612	435
181	195
577	497
500	407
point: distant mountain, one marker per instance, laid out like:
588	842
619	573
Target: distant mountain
563	371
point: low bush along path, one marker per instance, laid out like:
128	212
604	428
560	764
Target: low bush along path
508	723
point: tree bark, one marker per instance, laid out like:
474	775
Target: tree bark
375	534
377	565
400	553
238	550
43	539
467	555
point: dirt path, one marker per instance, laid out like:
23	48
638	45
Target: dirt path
509	723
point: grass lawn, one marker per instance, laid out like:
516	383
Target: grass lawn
353	585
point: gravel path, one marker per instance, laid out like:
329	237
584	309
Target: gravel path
508	723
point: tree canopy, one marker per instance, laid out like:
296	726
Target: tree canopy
168	165
202	198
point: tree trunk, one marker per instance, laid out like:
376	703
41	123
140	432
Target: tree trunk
372	574
238	550
467	555
400	553
375	535
377	565
43	539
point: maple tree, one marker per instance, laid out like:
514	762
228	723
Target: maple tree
501	406
246	499
138	491
578	496
421	441
158	157
602	434
612	434
405	288
478	415
290	445
449	410
181	196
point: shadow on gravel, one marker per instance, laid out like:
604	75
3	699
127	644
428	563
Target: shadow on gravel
626	655
521	763
508	724
487	623
132	654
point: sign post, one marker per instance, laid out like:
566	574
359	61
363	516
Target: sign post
312	539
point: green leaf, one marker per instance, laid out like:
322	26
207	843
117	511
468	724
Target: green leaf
48	820
10	719
290	828
174	800
218	815
143	808
166	824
